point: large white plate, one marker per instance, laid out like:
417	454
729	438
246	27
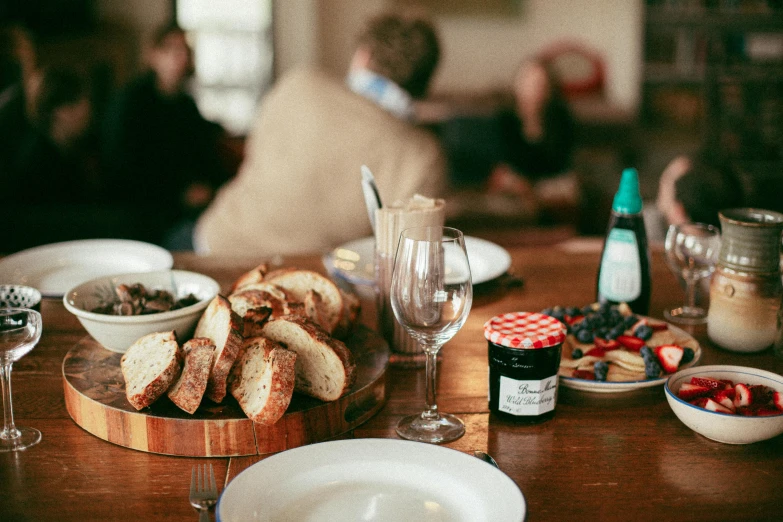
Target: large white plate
625	386
371	480
56	268
355	261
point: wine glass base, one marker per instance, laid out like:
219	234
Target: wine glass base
688	315
27	437
444	428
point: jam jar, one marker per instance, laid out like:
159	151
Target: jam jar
524	358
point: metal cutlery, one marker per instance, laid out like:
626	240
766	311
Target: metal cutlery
203	491
485	457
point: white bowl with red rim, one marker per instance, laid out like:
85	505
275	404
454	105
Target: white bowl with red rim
725	427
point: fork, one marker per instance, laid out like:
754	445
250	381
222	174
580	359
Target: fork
203	491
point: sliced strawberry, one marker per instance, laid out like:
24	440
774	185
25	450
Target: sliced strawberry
728	383
692	391
713	384
777	400
743	397
711	405
766	411
583	374
669	355
606	345
759	394
700	402
630	342
638	323
657	326
572	320
724	398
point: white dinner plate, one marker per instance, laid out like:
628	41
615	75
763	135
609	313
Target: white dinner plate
371	480
355	261
56	268
624	386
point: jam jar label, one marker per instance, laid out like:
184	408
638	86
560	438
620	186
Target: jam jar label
527	397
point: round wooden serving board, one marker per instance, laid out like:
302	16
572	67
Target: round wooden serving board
95	399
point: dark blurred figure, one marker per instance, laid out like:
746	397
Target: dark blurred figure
693	190
159	152
52	164
18	80
538	141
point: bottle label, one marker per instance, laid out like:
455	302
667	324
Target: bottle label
621	269
527	397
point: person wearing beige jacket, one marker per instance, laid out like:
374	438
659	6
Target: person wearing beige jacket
299	187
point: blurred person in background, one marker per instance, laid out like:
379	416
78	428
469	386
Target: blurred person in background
299	187
18	81
53	159
538	141
159	153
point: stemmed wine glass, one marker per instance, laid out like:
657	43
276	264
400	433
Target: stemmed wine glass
691	253
431	294
20	330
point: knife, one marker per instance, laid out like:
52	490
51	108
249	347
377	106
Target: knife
371	196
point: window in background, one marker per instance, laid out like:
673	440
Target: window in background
233	51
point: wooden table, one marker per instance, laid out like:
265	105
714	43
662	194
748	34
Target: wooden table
623	457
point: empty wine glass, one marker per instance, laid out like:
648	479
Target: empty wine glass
431	294
20	330
691	253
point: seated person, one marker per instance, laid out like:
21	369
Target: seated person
691	190
161	156
538	141
299	187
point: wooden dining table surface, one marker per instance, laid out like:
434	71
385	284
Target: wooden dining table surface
601	457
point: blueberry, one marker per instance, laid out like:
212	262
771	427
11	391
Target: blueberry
630	320
587	310
687	355
576	353
605	308
572	311
647	354
615	332
557	313
584	336
602	332
652	368
615	317
601	369
643	332
546	311
597	321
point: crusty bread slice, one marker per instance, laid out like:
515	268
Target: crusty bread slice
299	282
224	327
316	309
150	366
324	366
189	389
262	380
254	321
253	276
277	292
351	309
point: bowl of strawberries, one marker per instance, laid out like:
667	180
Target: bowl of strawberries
729	404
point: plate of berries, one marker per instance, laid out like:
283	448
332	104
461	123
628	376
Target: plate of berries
609	349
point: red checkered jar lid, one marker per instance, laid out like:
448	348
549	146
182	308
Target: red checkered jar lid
525	330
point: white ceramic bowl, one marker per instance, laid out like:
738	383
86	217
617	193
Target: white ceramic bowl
724	427
117	333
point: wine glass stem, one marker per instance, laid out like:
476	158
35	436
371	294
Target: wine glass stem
690	291
431	377
9	429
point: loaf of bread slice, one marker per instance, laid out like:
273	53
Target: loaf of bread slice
150	367
253	276
324	366
224	327
262	380
299	283
254	321
189	389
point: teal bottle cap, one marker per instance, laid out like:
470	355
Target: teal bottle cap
628	200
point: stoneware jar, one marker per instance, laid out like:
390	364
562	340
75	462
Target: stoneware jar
746	291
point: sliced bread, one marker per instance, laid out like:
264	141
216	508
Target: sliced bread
254	321
253	276
324	366
300	282
189	389
262	380
246	300
150	367
224	327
